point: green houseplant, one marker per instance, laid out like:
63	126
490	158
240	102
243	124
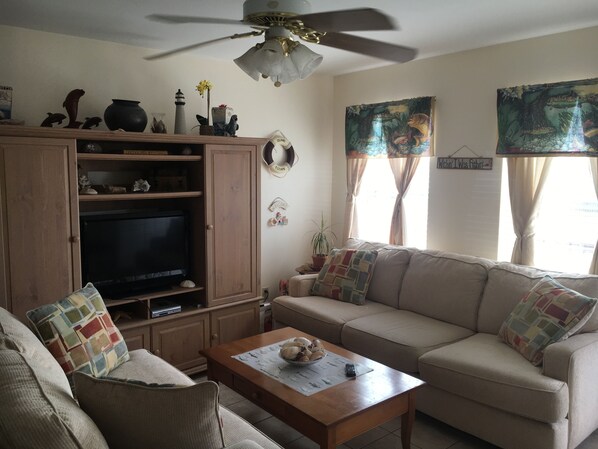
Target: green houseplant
321	243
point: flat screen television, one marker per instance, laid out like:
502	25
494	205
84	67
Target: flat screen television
124	253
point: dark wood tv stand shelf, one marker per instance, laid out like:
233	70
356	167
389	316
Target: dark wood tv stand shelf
214	179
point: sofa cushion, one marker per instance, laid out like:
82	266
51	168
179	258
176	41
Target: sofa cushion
146	367
38	410
397	338
134	415
319	316
483	369
391	265
508	283
547	314
445	286
80	334
346	275
237	430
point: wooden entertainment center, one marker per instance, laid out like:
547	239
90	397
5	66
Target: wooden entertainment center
215	180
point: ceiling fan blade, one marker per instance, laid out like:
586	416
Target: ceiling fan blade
200	44
369	47
361	19
168	18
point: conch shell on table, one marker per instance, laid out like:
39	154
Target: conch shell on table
302	349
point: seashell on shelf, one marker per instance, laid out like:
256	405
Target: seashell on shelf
187	283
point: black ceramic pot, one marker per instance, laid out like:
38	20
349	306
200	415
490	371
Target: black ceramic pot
126	115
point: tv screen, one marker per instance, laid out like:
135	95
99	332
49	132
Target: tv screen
124	253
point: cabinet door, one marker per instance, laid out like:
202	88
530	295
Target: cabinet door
235	322
40	212
179	340
232	222
137	338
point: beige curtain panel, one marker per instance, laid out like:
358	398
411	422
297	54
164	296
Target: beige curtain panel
527	176
403	170
355	169
594	168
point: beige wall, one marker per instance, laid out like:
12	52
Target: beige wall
463	205
43	67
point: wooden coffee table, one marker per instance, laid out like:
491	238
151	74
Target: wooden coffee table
329	417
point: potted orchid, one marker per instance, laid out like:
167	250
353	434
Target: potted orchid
204	87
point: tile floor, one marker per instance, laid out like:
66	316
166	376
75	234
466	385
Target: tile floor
428	433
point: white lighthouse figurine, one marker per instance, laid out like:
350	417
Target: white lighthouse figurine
180	126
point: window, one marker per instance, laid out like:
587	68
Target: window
376	201
567	223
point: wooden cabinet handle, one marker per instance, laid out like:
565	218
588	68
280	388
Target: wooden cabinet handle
157	352
214	336
210	227
75	239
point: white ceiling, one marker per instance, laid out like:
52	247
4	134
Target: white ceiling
434	27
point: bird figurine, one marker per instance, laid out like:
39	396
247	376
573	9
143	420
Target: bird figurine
230	129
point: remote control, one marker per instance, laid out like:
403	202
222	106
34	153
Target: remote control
350	370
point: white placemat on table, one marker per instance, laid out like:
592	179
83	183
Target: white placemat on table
307	380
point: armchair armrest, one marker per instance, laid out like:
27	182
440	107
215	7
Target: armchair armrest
575	361
300	285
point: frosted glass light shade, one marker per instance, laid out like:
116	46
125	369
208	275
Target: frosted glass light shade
289	72
268	60
305	60
247	64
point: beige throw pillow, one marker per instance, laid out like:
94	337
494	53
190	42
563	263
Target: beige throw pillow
137	415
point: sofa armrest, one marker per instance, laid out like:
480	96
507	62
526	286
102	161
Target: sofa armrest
301	284
245	444
575	361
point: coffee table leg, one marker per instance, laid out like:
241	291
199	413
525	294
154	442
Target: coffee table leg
407	421
330	443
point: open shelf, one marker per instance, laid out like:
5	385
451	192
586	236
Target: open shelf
138	157
139	196
153	295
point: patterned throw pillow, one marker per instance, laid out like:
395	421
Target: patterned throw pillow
346	275
549	313
80	334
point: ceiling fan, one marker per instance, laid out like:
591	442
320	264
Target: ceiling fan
284	59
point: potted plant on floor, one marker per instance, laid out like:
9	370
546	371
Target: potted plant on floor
321	243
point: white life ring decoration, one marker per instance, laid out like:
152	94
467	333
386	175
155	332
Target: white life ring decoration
281	169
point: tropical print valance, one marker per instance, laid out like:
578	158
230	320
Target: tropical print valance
558	118
393	129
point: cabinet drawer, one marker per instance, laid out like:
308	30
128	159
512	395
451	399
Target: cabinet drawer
260	397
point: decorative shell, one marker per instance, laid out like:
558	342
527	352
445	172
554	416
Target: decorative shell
290	352
187	283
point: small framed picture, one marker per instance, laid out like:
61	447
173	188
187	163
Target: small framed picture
5	102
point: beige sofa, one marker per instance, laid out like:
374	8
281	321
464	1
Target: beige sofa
38	409
436	315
